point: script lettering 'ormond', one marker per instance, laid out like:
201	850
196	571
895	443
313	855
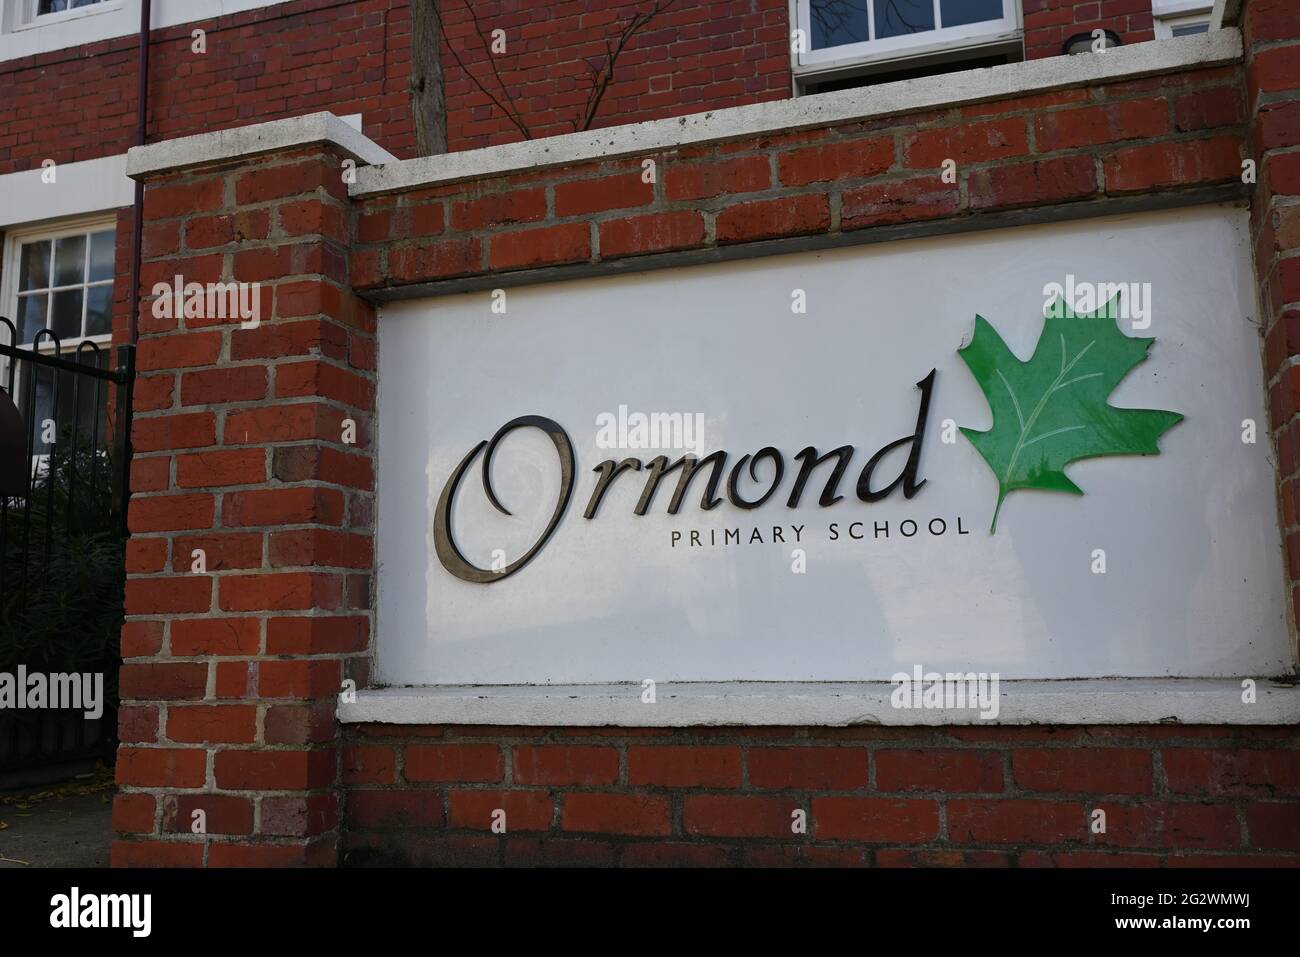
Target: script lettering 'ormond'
742	485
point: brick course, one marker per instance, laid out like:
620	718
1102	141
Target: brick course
229	693
994	797
1076	146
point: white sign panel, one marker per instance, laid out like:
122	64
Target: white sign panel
1167	564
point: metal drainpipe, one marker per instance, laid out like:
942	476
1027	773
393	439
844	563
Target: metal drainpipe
141	123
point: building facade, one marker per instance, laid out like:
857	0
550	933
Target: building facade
284	681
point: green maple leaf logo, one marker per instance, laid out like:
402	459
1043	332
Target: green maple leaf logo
1052	410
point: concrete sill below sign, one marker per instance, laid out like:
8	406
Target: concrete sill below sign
1091	701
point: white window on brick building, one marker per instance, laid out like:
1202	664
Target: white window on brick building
846	39
57	279
31	13
1181	18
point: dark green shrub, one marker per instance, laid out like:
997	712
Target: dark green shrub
61	579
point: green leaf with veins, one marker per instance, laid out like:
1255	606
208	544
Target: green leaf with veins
1052	410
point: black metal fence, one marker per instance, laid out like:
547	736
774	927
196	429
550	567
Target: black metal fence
65	452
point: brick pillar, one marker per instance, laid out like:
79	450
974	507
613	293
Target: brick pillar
230	675
1271	37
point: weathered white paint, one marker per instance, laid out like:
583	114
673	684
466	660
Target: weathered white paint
1120	701
842	106
242	141
1225	14
1178	8
91	186
1194	583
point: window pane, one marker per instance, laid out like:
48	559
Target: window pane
69	260
58	6
1190	29
895	18
836	22
31	315
34	266
101	256
956	12
99	310
66	317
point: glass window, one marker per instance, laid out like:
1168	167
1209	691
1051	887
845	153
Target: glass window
60	280
898	17
837	22
839	30
841	22
65	284
957	12
58	6
1181	18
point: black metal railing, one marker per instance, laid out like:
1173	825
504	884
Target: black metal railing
65	455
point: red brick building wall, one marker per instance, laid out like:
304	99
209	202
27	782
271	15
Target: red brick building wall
888	797
231	675
693	57
230	678
353	56
1271	29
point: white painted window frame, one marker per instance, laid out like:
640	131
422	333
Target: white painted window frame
26	17
938	44
22	33
16	238
1168	14
1165	26
13	242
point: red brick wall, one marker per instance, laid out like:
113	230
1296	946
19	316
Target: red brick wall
995	797
1271	31
693	57
230	676
353	56
1049	23
1161	133
262	64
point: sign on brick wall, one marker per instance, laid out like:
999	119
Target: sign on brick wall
1038	451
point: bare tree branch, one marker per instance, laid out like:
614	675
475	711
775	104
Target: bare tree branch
492	61
601	77
510	114
605	76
